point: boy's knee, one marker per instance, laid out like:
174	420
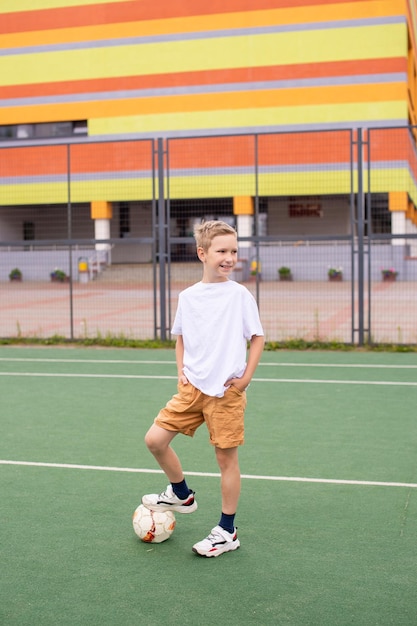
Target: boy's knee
150	441
154	441
227	458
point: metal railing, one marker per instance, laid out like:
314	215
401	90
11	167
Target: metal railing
131	284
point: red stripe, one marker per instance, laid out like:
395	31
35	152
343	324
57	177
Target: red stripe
212	77
202	152
69	17
101	157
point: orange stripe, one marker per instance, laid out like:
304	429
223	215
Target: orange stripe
213	77
207	102
274	149
197	153
101	157
202	152
248	19
32	161
279	149
284	149
296	148
134	10
109	157
391	145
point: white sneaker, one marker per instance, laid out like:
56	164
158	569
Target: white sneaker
168	501
218	541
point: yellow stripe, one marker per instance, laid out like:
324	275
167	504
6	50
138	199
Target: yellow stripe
288	183
317	183
298	183
385	180
260	118
16	6
205	54
33	194
90	191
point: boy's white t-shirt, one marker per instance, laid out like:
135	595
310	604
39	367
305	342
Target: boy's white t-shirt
215	320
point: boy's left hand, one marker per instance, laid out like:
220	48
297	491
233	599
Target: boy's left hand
236	382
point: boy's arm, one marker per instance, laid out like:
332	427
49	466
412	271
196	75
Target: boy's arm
256	347
179	355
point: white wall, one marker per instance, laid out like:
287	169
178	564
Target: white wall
334	220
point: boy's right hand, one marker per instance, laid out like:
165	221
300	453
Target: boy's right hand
183	379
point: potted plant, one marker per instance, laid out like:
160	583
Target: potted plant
58	276
284	273
389	275
16	275
335	274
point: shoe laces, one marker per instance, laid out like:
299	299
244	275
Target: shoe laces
168	493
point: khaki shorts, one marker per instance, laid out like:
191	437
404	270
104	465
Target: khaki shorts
189	408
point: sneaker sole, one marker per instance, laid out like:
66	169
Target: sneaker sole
217	553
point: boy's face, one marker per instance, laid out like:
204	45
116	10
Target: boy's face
220	259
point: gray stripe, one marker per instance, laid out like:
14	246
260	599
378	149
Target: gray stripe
263	169
77	178
223	171
238	32
251	130
360	79
151	136
286	169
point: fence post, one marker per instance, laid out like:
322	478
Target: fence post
360	240
69	235
162	244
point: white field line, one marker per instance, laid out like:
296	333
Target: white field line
134	470
259	380
152	362
96	361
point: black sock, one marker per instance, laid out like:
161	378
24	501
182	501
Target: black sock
181	489
228	522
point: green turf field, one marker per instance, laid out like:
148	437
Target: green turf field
328	512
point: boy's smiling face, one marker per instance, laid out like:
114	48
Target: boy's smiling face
220	259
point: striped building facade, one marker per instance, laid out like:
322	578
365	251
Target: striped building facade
215	71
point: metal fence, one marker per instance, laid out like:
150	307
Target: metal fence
78	283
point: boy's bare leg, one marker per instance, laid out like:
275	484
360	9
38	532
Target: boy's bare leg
222	538
158	442
177	496
228	462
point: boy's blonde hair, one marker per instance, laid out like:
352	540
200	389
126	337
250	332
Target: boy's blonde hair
204	233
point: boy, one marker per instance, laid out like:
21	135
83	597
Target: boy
215	318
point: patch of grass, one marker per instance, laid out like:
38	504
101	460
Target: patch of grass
120	341
108	341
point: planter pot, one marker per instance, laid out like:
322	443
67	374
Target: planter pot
389	279
336	279
60	280
285	277
16	279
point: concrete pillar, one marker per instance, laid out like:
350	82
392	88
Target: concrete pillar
101	213
102	231
243	210
398	205
244	225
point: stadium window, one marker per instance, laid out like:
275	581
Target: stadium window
378	213
28	231
124	219
43	131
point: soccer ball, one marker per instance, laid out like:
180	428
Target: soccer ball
153	526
